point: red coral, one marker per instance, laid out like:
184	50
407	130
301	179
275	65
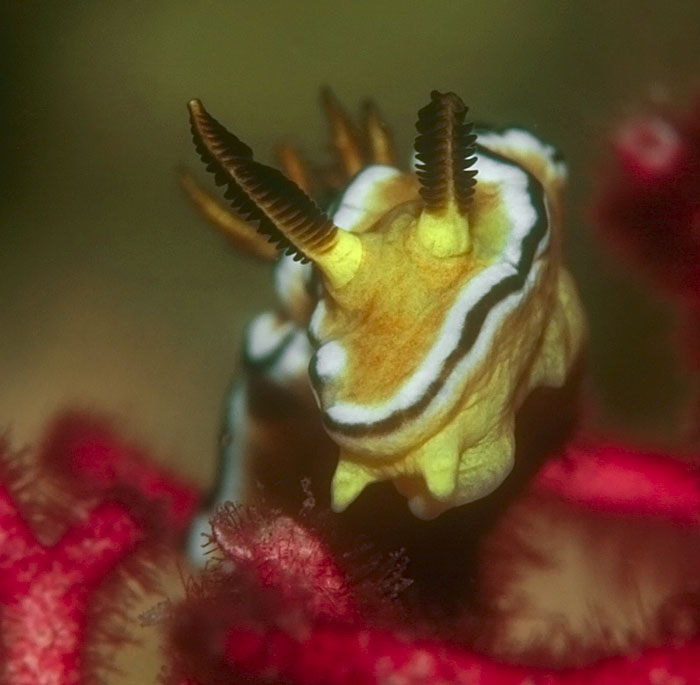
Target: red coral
46	591
53	591
650	199
333	655
283	613
620	480
83	451
291	608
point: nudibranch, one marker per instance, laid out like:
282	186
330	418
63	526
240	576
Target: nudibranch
426	304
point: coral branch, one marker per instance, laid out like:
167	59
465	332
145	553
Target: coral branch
46	591
338	656
622	480
61	567
83	452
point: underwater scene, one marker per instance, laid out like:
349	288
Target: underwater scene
350	343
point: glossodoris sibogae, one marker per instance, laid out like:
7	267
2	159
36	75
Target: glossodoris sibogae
424	305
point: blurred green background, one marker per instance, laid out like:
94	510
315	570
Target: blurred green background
115	296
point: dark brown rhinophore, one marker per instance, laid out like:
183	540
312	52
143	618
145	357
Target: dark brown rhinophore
445	149
259	193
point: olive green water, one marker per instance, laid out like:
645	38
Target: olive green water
115	296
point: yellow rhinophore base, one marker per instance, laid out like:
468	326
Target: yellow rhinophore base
341	262
445	234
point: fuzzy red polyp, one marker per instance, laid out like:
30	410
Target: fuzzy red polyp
45	591
283	576
279	553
